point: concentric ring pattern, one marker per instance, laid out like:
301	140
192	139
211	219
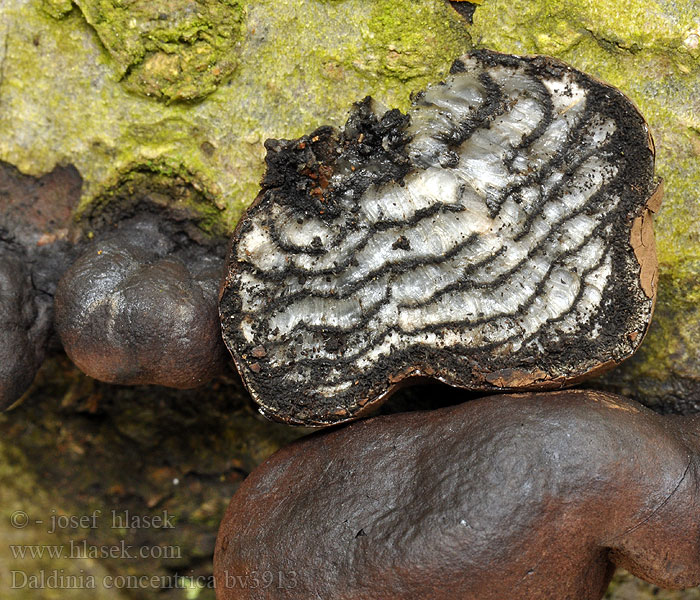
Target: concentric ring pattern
497	244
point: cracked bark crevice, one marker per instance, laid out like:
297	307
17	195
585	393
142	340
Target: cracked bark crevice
466	9
614	45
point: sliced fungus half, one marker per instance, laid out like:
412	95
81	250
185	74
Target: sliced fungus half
496	237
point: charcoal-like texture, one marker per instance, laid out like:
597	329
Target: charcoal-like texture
35	214
135	308
496	237
529	496
25	323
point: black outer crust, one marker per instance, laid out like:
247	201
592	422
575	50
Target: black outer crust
137	278
25	324
477	370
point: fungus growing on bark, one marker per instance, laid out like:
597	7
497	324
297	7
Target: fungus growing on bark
138	308
526	496
25	322
496	237
35	213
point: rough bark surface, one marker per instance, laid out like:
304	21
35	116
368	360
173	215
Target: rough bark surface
64	101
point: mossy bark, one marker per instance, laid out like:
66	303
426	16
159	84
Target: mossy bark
70	94
84	88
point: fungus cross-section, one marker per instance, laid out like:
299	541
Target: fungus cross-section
483	239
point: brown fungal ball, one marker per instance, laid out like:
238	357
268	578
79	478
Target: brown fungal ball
528	496
24	326
496	237
135	309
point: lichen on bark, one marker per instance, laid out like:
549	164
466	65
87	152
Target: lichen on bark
173	50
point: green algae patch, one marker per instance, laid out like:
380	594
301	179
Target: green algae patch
57	8
72	90
169	49
413	37
550	26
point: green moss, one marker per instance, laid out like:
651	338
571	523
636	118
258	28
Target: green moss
660	25
162	185
414	38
